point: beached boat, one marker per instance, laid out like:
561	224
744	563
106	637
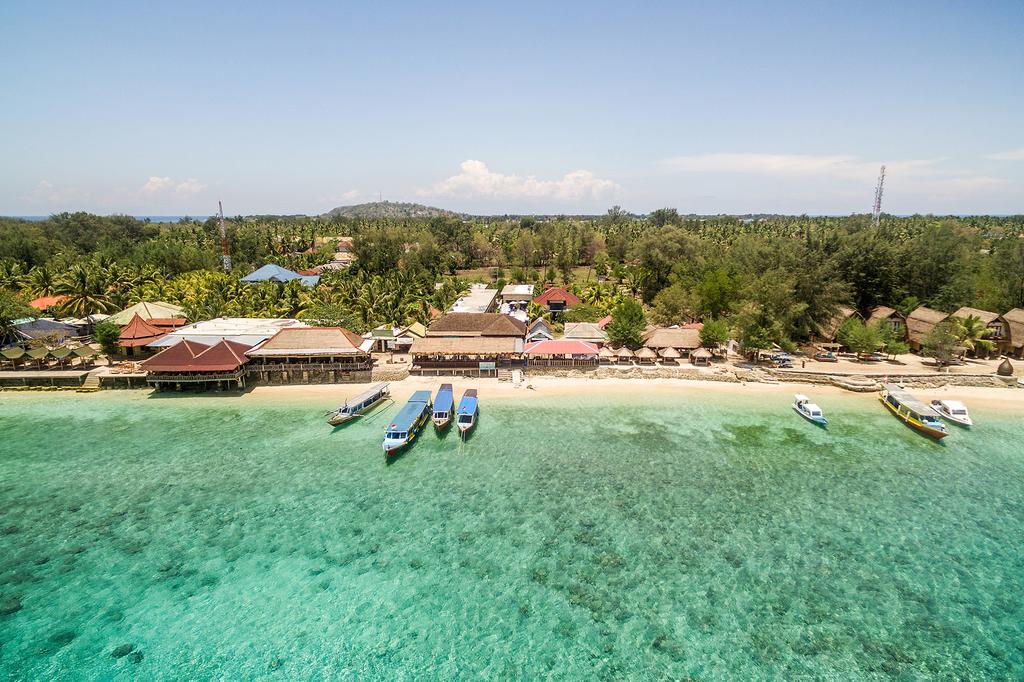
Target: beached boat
953	410
359	405
444	401
808	410
913	412
467	412
407	424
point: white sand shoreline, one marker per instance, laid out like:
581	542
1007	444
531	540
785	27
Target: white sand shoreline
547	386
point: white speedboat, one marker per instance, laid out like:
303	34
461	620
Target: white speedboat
808	410
953	410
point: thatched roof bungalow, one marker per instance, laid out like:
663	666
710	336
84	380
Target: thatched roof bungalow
1015	331
890	317
921	321
828	331
998	328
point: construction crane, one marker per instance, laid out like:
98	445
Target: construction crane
225	252
876	214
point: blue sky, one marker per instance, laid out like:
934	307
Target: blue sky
730	107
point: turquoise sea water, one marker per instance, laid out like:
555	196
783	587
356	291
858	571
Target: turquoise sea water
705	536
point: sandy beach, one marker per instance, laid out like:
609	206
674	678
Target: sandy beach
492	389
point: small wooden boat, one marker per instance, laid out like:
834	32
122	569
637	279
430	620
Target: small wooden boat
444	401
954	411
359	405
467	412
913	412
407	424
808	410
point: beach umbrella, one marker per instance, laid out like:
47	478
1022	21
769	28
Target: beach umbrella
13	354
60	353
38	354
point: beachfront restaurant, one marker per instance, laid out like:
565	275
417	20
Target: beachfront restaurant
197	366
562	353
478	356
311	355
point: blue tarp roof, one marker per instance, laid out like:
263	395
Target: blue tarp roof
37	329
275	273
405	418
468	403
445	399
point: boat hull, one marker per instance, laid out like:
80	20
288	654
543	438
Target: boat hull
393	448
936	434
442	424
818	421
966	423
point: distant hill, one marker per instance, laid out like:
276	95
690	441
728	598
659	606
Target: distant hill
388	209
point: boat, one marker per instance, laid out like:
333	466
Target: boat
808	410
407	424
444	401
468	410
913	412
359	405
953	410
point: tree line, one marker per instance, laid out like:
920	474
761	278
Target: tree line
769	279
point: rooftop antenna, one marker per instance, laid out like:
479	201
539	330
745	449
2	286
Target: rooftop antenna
876	214
225	253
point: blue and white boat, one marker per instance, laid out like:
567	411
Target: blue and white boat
407	424
466	417
444	402
808	410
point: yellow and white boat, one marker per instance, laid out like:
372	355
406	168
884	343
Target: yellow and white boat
913	412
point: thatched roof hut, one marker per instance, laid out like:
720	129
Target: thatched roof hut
1015	322
669	353
829	329
624	353
921	321
646	353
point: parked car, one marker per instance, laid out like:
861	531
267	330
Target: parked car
825	356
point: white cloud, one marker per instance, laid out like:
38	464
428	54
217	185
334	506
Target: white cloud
1008	155
156	184
350	195
843	166
477	180
47	194
190	186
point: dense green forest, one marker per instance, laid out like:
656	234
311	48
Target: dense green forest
774	278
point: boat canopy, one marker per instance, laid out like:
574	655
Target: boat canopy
407	416
801	398
468	403
910	402
368	394
954	406
445	399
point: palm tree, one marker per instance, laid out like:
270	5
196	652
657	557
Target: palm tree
971	332
12	275
85	291
40	281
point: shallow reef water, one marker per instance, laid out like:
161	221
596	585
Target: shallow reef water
695	536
